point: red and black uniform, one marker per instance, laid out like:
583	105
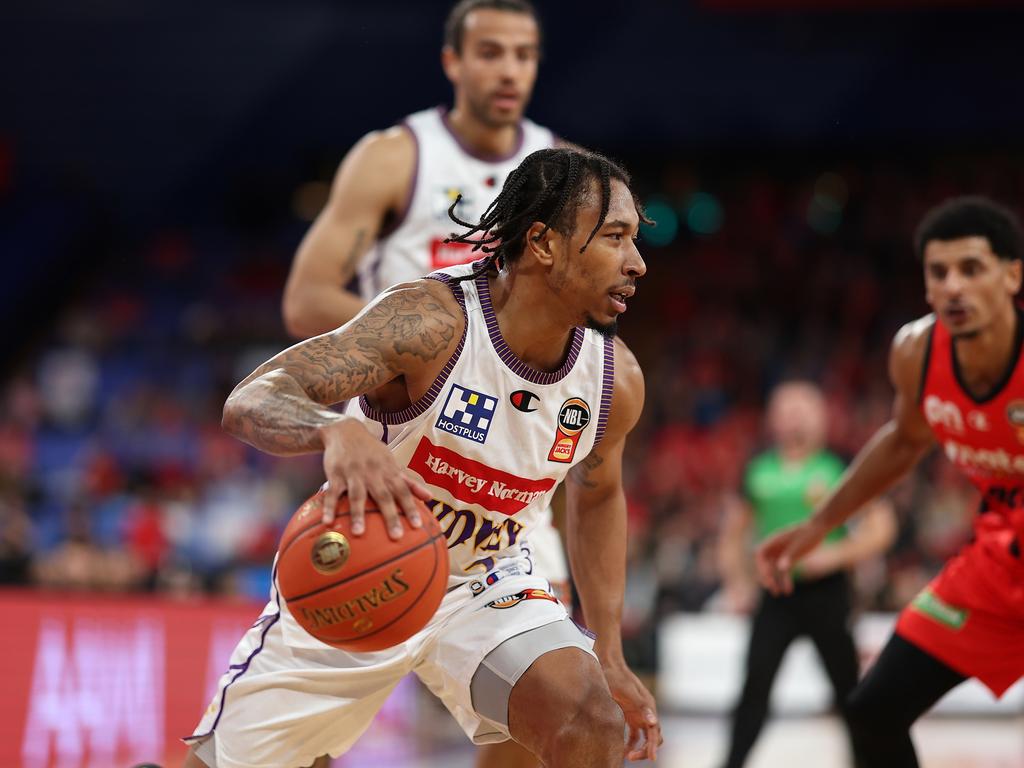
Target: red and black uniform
971	616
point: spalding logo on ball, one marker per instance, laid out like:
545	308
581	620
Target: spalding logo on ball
361	593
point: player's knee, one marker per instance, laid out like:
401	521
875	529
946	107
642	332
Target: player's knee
863	712
593	730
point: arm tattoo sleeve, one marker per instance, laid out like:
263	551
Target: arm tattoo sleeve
279	407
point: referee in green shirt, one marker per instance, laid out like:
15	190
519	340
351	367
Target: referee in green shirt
781	486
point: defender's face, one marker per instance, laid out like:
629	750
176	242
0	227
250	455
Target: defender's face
967	284
600	281
495	73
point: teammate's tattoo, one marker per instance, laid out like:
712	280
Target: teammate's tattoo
581	472
348	267
278	408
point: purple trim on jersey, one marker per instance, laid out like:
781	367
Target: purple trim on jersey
384	436
243	667
508	357
421	405
443	114
607	387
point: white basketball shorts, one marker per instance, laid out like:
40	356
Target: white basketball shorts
287	698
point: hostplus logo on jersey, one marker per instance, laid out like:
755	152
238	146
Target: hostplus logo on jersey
467	414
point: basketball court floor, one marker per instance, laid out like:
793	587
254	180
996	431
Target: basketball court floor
819	742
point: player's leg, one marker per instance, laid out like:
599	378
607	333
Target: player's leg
902	685
772	631
505	754
547	554
561	710
513	664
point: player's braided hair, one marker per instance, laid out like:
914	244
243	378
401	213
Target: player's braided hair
548	186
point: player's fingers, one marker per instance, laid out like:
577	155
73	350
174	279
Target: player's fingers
357	505
632	741
380	493
332	492
410	505
765	570
416	485
783	574
654	740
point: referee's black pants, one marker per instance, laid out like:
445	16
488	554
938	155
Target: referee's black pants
819	609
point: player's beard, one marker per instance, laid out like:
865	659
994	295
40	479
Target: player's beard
609	330
480	107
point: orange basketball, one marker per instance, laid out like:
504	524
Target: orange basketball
360	593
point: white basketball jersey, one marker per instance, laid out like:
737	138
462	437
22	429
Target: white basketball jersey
444	170
492	437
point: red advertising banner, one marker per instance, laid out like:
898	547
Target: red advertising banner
109	682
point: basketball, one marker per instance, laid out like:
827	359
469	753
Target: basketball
360	593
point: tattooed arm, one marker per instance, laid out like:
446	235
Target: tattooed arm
410	331
372	184
596	538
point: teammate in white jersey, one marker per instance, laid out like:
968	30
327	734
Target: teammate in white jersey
437	364
386	220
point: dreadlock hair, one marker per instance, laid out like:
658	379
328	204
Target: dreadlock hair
548	186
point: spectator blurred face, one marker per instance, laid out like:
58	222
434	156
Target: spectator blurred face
967	284
796	418
494	73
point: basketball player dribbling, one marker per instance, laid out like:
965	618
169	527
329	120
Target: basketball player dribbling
430	369
386	220
959	381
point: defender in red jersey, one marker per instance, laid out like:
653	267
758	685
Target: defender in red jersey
959	382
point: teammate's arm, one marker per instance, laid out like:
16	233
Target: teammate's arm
371	183
888	455
596	538
281	407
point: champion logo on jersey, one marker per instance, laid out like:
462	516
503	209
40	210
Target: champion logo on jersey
522	400
573	418
467	414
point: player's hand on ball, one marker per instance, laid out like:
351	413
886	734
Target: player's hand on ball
357	463
779	553
640	711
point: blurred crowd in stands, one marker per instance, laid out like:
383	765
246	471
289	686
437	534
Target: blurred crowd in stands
115	474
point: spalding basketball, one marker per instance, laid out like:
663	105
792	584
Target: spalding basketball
360	593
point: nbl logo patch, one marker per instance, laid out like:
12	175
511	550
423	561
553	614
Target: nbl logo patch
467	414
573	418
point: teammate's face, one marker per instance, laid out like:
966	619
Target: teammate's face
494	75
967	284
796	417
598	283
